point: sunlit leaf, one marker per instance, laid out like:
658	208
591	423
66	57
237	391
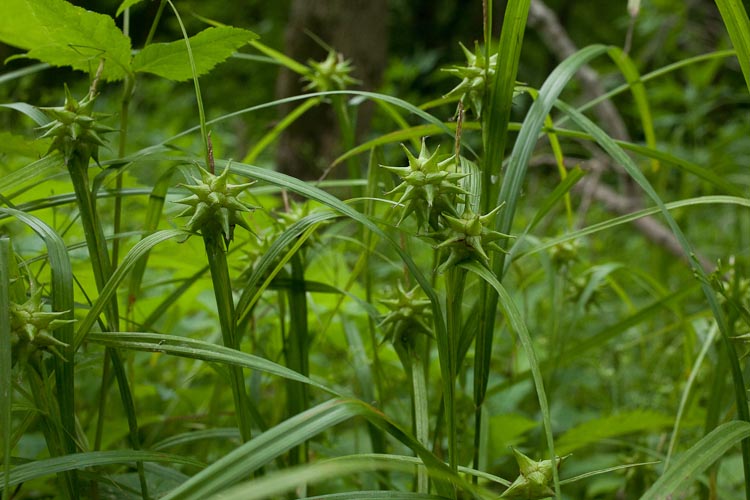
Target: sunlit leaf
210	47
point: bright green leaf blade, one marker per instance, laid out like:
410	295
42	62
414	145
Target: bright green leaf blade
257	452
198	349
31	111
210	47
501	97
738	25
62	301
517	324
281	58
511	189
76	461
698	458
628	69
274	485
60	34
133	256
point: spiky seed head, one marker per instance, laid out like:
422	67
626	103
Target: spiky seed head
214	203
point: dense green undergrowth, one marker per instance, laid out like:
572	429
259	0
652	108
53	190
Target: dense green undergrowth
475	307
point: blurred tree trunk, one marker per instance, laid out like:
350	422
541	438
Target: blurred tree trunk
358	30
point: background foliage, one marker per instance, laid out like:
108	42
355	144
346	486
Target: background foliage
322	352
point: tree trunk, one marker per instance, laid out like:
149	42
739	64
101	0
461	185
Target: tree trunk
358	30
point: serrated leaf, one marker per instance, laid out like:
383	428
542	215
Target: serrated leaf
60	34
611	426
210	47
125	5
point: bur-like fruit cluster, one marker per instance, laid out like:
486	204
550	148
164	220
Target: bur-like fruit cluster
431	190
476	76
74	128
535	479
469	237
332	73
214	205
31	328
409	314
428	186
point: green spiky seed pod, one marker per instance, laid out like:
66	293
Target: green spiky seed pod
473	85
75	129
332	73
214	205
31	328
469	237
535	479
429	185
409	314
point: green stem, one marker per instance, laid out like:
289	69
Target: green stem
296	347
6	394
127	95
217	261
50	418
421	413
455	282
78	167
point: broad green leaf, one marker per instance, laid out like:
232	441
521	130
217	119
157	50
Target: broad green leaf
611	426
698	458
60	34
210	47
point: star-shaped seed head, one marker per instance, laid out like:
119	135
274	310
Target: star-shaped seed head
535	479
468	237
31	328
214	204
408	315
473	76
429	185
75	128
332	73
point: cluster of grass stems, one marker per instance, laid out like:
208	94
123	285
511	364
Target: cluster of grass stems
468	305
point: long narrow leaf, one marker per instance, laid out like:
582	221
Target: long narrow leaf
738	25
6	383
198	349
516	322
698	458
77	461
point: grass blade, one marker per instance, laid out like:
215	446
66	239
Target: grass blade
517	324
624	160
698	458
738	25
199	349
76	461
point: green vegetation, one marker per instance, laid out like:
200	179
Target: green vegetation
517	284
